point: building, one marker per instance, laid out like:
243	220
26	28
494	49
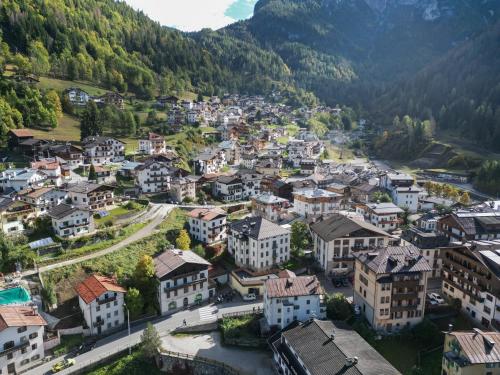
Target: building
43	199
22	179
228	188
91	196
182	188
208	225
210	161
183	280
290	298
364	193
402	189
251	184
471	275
316	202
308	166
16	136
390	286
232	150
153	176
269	166
270	207
383	215
111	98
21	338
103	150
71	221
154	145
101	301
317	347
77	96
258	244
471	353
15	215
468	226
337	238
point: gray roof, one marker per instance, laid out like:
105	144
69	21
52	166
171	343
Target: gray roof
321	355
86	187
258	228
394	259
63	210
269	198
316	193
384	208
170	260
338	226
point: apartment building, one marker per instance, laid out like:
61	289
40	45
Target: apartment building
71	221
470	225
153	177
258	244
290	298
390	285
270	207
154	145
316	202
228	188
210	161
43	199
183	187
208	225
402	189
471	275
101	301
21	338
103	150
338	237
383	215
91	196
251	184
183	280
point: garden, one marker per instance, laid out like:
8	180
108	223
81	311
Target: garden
242	331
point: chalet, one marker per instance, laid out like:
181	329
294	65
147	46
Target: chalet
111	98
16	136
71	221
91	196
77	96
103	150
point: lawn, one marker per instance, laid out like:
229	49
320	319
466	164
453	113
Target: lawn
61	85
117	212
133	364
68	343
67	130
241	331
175	220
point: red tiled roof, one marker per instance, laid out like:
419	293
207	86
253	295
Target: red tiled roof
95	285
293	286
19	316
22	132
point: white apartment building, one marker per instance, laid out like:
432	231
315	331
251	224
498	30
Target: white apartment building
402	189
290	298
270	207
383	215
251	184
228	188
258	244
316	202
210	161
71	221
154	145
153	177
91	196
22	179
21	338
390	286
337	238
183	277
103	150
101	301
208	225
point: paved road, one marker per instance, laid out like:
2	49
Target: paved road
120	340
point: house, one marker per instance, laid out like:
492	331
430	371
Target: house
182	188
15	215
91	196
390	286
402	189
183	280
210	161
43	199
318	347
101	300
251	184
277	186
228	188
269	166
51	168
192	117
103	150
16	136
232	150
338	237
258	244
290	298
208	225
71	221
316	202
104	175
383	215
128	169
153	177
471	275
364	193
270	207
248	160
154	145
22	179
470	352
21	338
468	226
67	155
432	203
77	96
308	166
298	150
111	98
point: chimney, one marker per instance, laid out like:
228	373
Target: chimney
450	328
351	361
35	310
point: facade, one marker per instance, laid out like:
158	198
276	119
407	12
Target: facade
103	150
22	179
316	202
383	215
182	188
70	221
77	96
233	151
402	189
390	286
153	177
15	215
91	196
270	207
228	188
101	301
339	237
469	226
290	298
183	280
154	145
21	338
251	184
43	199
317	347
210	161
208	225
258	244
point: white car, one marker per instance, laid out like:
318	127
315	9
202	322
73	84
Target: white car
436	297
249	297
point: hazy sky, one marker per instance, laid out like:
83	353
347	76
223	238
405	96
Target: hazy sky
193	15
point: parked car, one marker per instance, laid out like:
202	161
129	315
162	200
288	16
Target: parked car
64	364
84	348
249	297
436	297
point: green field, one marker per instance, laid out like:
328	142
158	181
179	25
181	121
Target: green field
61	85
67	130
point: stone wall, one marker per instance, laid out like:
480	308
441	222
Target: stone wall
173	363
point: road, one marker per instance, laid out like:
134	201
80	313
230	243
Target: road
120	340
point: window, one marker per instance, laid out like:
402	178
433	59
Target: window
98	308
116	313
24	350
35	357
24	362
34	346
8	345
33	335
308	302
21	329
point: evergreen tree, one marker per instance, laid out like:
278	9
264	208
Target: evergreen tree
92	173
90	124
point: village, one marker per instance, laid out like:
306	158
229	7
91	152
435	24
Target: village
271	234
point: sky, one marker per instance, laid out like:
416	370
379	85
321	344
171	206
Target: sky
194	15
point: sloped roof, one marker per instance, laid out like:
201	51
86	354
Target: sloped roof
96	285
258	228
22	132
338	226
207	214
293	286
170	260
63	210
19	316
475	346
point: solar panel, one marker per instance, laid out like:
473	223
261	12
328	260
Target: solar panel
103	213
41	243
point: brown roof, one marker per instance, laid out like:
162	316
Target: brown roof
293	286
170	260
19	316
286	273
22	132
206	214
476	345
96	285
338	226
37	192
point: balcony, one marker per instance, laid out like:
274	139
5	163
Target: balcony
404	308
180	286
404	295
15	348
106	300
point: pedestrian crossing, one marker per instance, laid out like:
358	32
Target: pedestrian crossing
208	313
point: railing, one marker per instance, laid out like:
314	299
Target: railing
106	300
14	348
236	314
213	362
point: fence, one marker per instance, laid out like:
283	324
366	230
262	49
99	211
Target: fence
224	368
80	366
235	314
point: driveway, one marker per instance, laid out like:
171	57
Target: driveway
209	346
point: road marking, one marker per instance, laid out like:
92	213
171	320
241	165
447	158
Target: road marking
208	313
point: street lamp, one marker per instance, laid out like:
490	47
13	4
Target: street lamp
128	325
